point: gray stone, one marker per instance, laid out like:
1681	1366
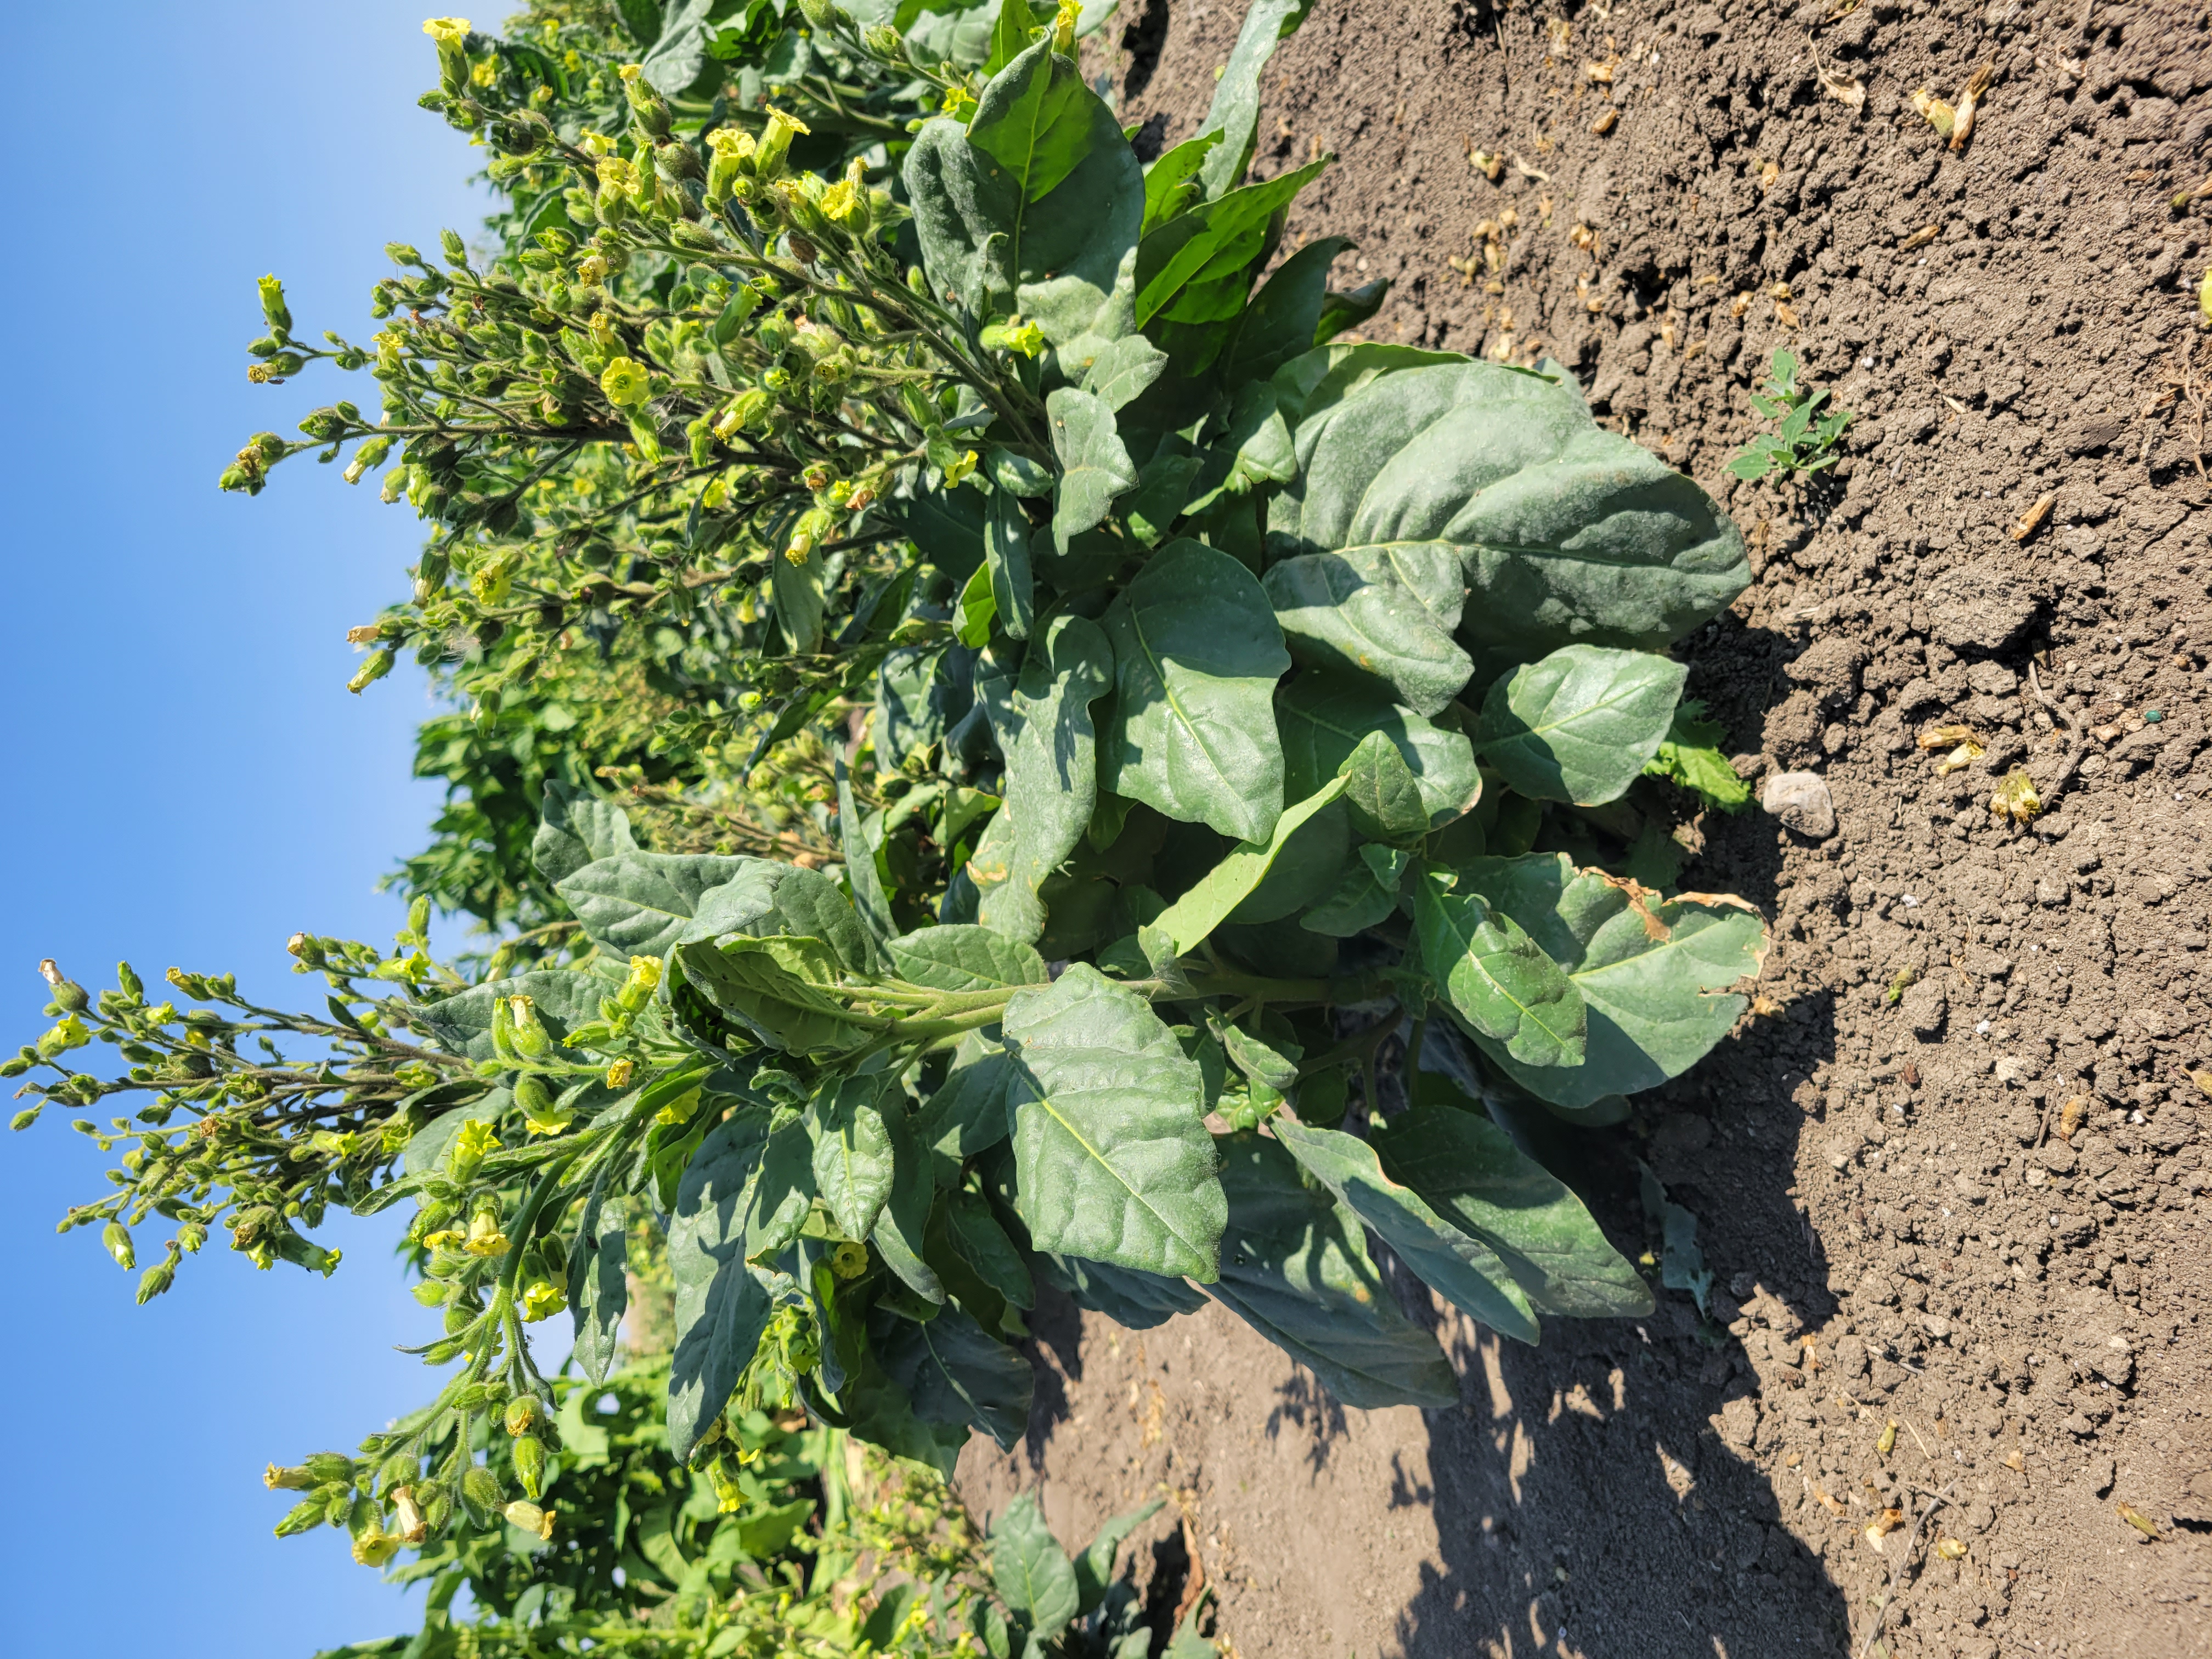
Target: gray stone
1925	1006
1983	608
1801	801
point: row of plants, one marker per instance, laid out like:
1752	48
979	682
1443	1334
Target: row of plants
994	745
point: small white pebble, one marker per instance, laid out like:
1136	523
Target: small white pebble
2135	1117
1911	899
1983	1028
1866	362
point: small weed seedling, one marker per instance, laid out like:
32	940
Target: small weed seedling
1800	443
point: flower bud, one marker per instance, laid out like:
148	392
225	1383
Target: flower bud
1063	28
29	1115
303	1516
530	1039
823	15
481	1488
366	459
530	1464
377	665
273	308
451	35
157	1279
646	105
678	162
644	979
117	1238
524	1412
70	996
456	250
191	1235
883	40
278	1478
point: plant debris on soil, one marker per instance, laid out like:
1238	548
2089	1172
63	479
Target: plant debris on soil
1950	1176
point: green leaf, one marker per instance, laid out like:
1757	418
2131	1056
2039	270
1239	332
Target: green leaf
1172	180
783	1193
1458	1266
1136	1301
977	608
1255	449
1010	35
1690	755
1041	185
1314	382
1323	717
1381	793
641	904
968	1113
852	1156
1657	991
1094	465
1052	769
1197	654
1034	1577
903	1222
1278	324
1368	893
800	603
574	828
1566	533
1094	1568
774	988
1378	614
868	901
1580	725
955	1371
1234	114
881	1413
1196	268
1295	1268
765	898
1006	565
983	1243
680	50
962	956
598	1282
1496	977
767	1532
1207	904
1123	369
1471	1173
722	1304
1110	1147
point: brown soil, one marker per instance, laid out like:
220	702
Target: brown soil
1980	1200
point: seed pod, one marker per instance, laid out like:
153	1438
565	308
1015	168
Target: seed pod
302	1517
398	1471
117	1238
482	1488
530	1463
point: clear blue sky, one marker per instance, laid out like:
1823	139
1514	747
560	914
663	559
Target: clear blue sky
192	781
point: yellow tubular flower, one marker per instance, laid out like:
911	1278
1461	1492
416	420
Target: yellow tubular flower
447	31
626	383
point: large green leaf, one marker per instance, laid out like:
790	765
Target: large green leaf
861	875
903	1222
680	50
1113	1159
641	904
1209	901
1580	725
1052	769
1312	383
1496	977
853	1152
1197	267
955	1371
1382	614
1172	179
1323	717
881	1413
801	602
722	1304
1656	984
968	1113
766	898
1007	565
1367	894
966	957
978	1239
1381	794
574	828
1295	1268
1134	1300
1196	656
1566	533
1033	1574
1041	185
1094	465
1236	110
1278	324
774	987
1094	1568
1460	1267
1471	1173
599	1281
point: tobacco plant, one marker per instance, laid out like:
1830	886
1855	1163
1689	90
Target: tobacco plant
1196	761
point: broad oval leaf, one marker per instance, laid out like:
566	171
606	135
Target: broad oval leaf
968	1113
1368	893
1111	1148
1323	717
1566	533
1094	464
1353	613
1460	1267
575	826
1496	977
722	1304
1471	1173
1033	1574
765	899
598	1280
965	957
1134	1299
1196	654
773	988
853	1152
954	1371
1656	983
564	998
641	903
1211	899
1381	793
1295	1268
1581	725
